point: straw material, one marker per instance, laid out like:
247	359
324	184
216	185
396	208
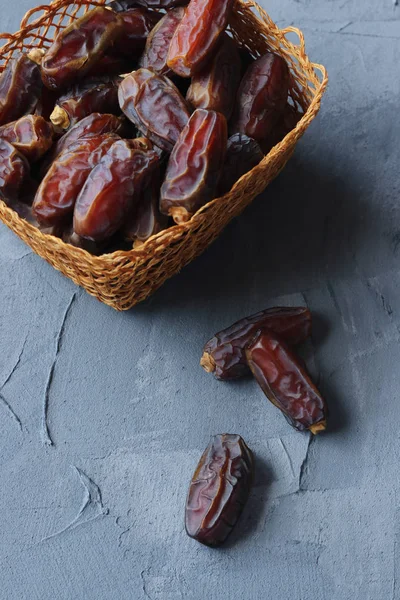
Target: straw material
124	278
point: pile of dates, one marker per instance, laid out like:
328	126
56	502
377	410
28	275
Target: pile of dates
138	114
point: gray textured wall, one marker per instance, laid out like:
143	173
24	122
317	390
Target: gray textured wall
99	515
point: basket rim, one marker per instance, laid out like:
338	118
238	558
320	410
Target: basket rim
133	254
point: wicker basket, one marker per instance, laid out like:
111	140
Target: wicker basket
124	278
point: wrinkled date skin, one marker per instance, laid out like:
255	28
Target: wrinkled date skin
242	155
31	135
111	191
14	171
80	46
219	489
99	96
111	64
157	45
194	166
121	5
138	23
215	87
286	383
155	106
261	97
20	89
224	355
287	121
197	35
55	199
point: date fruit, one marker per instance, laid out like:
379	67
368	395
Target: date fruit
14	171
286	383
261	97
121	5
83	99
194	166
215	86
219	489
155	106
80	46
112	190
20	88
31	135
197	35
55	199
157	45
138	23
224	355
242	155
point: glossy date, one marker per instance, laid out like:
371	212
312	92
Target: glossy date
286	382
31	135
261	97
112	190
155	106
14	171
80	46
20	88
137	25
121	5
224	355
242	155
194	166
215	87
55	199
197	35
157	45
219	489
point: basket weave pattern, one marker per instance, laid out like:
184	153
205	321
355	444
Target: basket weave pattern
124	278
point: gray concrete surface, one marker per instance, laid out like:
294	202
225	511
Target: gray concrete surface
98	515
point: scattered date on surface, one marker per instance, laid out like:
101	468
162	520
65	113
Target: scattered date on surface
20	88
286	382
219	489
224	355
31	135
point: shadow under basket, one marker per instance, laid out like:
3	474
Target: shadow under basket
125	278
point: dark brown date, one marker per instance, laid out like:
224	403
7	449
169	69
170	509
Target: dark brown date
84	99
14	171
219	489
121	5
20	88
224	355
155	106
31	135
197	35
111	64
94	125
194	166
287	121
261	97
80	46
215	87
111	191
286	383
138	23
157	45
57	193
242	155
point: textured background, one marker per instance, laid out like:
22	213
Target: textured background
99	515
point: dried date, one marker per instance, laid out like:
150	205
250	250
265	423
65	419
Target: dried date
261	97
111	64
31	135
224	355
215	87
138	23
242	155
20	88
287	121
55	199
286	383
80	46
155	106
157	44
14	171
219	489
121	5
112	190
197	35
194	166
84	99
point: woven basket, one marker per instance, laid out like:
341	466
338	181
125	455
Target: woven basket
124	278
